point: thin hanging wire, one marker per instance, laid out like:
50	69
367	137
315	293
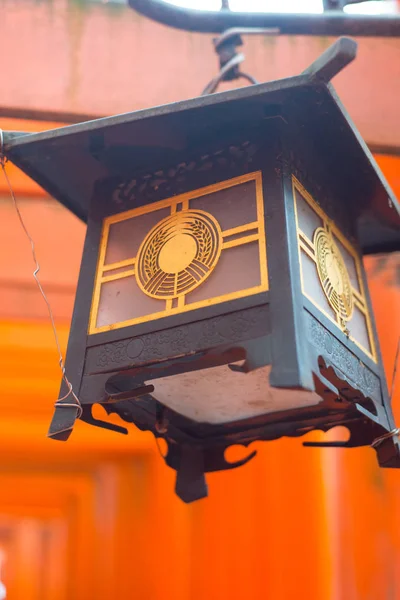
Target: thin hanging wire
394	432
396	364
60	402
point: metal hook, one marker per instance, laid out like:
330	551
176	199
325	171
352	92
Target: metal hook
225	46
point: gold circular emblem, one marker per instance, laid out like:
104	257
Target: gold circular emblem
333	274
178	254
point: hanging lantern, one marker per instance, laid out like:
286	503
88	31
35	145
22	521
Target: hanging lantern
222	297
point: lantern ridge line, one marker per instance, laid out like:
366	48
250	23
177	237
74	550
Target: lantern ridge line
60	402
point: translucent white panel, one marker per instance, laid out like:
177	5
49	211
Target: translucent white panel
234	396
357	327
238	269
121	300
125	237
232	206
308	219
312	285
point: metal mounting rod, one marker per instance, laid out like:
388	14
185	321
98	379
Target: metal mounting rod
331	22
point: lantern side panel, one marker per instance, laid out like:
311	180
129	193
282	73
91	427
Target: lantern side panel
331	271
196	249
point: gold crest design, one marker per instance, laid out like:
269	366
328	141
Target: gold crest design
178	254
333	274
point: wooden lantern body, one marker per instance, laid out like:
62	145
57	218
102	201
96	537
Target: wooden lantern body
222	297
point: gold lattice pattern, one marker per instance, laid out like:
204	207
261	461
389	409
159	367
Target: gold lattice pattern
178	252
337	271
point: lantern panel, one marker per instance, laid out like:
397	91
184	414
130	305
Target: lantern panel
193	250
330	269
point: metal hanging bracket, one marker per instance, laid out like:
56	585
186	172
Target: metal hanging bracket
229	59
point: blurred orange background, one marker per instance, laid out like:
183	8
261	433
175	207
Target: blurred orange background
97	517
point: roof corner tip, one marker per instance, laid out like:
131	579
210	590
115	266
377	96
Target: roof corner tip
333	60
8	137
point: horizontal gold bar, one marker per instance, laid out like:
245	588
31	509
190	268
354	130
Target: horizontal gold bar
117	265
240	241
117	276
186	308
305	238
306	249
357	295
360	305
240	229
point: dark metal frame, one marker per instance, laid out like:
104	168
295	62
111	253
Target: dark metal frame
332	22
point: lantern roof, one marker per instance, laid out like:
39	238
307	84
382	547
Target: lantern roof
68	161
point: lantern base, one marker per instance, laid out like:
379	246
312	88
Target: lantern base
197	448
224	394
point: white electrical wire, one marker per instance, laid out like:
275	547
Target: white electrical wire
60	402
